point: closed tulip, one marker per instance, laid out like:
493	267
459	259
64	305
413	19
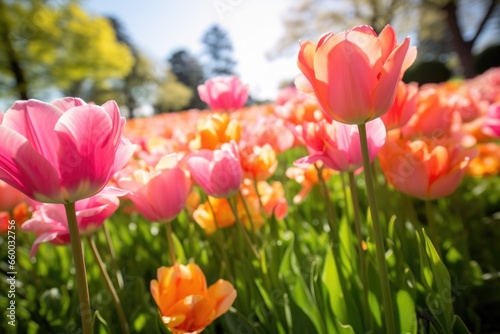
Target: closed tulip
186	304
224	93
50	224
63	151
217	172
337	144
355	74
159	194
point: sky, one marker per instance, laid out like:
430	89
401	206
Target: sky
159	27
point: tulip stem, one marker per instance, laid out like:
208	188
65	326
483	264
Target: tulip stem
80	272
109	283
170	242
112	253
361	253
432	227
332	215
377	234
232	204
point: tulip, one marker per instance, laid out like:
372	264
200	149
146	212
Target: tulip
307	177
185	303
224	93
215	130
491	124
159	194
337	144
425	168
63	151
50	224
258	162
214	214
404	106
355	74
217	172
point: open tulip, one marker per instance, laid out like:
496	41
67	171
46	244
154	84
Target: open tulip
404	106
217	172
159	194
355	74
63	151
50	224
426	168
185	302
224	93
337	144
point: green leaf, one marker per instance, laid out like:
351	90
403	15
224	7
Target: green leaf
407	317
99	324
290	273
459	326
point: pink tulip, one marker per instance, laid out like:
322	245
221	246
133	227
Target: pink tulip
337	145
224	93
355	74
63	151
217	172
491	125
159	194
50	224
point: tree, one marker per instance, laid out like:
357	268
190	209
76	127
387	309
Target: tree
441	25
218	51
188	71
45	47
172	95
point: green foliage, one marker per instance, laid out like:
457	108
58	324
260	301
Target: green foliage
173	95
56	47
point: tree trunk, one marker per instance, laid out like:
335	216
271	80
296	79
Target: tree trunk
462	47
12	57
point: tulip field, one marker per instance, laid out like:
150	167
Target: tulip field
353	203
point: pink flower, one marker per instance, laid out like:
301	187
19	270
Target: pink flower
217	172
491	125
224	93
63	151
159	194
355	74
337	145
50	224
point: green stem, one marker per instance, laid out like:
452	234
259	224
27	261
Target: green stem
332	215
80	272
112	253
361	253
377	233
232	204
170	242
109	283
432	227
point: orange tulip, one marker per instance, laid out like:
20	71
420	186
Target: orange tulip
258	162
307	176
9	196
186	304
405	105
214	130
424	168
213	214
487	163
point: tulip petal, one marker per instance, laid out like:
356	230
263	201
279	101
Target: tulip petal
67	103
384	93
25	169
224	294
86	153
35	120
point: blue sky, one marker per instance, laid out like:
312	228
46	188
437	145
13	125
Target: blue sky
159	27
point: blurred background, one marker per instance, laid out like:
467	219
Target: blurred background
151	55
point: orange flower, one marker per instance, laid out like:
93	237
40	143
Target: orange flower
424	168
307	177
404	106
487	163
258	162
214	130
185	302
9	196
213	214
